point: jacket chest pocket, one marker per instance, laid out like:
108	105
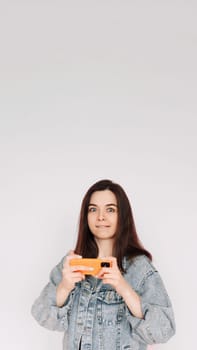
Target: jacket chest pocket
110	308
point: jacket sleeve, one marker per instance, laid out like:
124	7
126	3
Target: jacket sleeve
45	310
158	323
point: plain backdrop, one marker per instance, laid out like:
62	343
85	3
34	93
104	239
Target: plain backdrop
90	90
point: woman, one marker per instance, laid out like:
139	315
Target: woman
126	305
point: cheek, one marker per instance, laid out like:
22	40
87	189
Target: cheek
116	222
90	221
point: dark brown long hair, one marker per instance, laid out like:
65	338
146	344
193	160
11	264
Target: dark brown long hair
127	243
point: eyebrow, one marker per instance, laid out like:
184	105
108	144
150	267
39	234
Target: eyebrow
107	205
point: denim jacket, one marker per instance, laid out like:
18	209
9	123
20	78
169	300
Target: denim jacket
95	316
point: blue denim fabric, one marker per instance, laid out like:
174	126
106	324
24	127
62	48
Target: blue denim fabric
95	316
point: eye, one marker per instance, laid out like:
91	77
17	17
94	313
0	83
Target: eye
111	210
91	209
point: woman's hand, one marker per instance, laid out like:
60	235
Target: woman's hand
113	276
71	274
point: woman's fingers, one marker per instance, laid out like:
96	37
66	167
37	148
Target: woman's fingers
71	255
71	275
111	275
109	270
81	268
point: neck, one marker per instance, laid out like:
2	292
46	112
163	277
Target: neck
105	247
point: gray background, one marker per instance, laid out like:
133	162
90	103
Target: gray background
92	90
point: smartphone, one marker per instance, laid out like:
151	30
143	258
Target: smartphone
95	263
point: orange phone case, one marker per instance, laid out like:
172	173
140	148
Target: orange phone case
96	264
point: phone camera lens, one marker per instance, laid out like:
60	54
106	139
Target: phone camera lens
105	264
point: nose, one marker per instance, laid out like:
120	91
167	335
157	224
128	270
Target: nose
101	216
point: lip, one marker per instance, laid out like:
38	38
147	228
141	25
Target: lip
102	226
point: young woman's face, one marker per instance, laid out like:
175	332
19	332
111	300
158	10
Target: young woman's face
103	214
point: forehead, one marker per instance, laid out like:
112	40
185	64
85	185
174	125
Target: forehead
103	197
